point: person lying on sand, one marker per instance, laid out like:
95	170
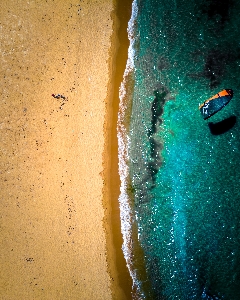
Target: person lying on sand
58	96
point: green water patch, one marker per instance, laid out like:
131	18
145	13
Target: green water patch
185	175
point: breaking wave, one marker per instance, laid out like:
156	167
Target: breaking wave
126	213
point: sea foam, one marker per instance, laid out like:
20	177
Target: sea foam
126	213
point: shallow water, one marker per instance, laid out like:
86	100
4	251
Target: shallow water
184	171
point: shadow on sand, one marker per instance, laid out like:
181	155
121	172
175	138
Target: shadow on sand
222	126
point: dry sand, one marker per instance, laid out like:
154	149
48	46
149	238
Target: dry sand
53	245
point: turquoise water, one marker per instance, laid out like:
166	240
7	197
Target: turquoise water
184	172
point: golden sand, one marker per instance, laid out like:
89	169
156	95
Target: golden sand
53	244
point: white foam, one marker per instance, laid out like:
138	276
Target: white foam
126	213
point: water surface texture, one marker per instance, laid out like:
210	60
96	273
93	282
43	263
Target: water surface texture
182	172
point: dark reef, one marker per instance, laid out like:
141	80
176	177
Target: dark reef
155	145
218	10
216	62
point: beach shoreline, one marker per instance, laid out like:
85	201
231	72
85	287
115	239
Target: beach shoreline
56	226
121	282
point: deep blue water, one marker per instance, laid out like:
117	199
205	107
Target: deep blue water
184	171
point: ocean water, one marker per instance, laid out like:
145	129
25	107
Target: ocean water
180	175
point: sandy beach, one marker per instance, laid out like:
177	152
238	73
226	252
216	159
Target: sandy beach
55	225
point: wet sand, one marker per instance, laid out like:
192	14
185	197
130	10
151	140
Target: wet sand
53	242
122	282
